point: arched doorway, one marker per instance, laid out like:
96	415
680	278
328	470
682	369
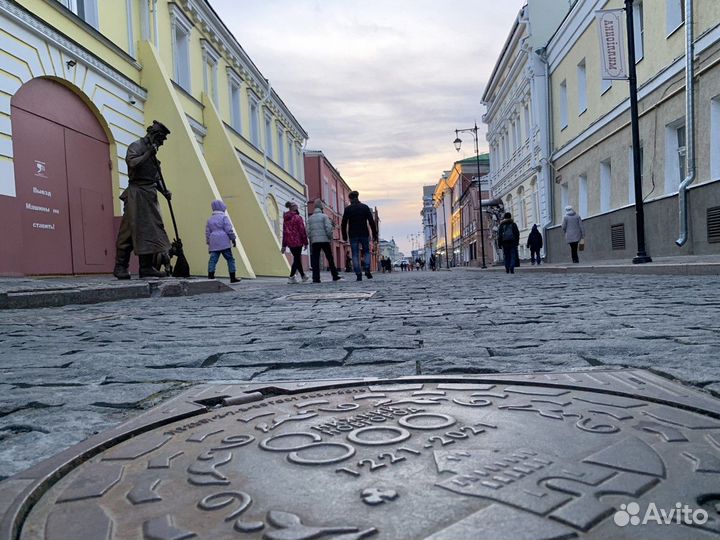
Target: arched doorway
63	182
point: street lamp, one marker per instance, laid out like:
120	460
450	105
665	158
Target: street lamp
458	142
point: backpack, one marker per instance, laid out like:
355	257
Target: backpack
507	234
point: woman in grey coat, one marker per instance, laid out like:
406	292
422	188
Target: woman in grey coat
320	232
572	226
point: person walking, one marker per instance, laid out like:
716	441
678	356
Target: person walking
220	238
355	221
141	228
508	240
574	230
295	238
535	244
320	232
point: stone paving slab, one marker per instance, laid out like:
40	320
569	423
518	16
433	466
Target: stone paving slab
28	293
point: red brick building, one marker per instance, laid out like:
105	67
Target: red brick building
324	182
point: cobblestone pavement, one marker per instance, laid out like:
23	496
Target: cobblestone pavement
72	371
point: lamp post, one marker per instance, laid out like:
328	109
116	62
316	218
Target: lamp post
458	142
642	256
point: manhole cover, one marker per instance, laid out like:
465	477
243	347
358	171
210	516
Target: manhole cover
329	296
505	458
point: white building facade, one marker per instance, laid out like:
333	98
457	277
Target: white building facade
517	116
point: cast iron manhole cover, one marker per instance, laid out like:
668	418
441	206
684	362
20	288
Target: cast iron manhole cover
583	455
329	296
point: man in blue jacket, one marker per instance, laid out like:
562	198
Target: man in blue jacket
355	221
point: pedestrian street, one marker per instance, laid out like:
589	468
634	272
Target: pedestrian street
73	371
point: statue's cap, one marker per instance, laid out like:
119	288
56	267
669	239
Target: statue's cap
158	127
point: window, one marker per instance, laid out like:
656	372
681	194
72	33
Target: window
582	87
87	10
522	211
518	133
210	69
513	137
268	136
291	156
235	91
631	173
675	11
563	105
181	28
564	196
674	155
254	119
639	28
526	114
605	185
281	145
715	138
583	195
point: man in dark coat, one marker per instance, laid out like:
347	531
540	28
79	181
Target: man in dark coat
535	244
142	229
508	240
355	221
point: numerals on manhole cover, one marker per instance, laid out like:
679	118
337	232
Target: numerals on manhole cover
437	460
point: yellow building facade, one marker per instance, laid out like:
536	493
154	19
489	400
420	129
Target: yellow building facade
592	154
113	67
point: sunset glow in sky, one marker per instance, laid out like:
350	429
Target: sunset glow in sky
379	85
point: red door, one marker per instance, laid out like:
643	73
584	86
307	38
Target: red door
41	186
63	182
91	209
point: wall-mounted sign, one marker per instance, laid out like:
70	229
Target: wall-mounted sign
613	65
40	169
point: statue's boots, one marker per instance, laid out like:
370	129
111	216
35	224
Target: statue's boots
122	261
147	269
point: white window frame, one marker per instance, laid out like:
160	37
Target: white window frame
526	116
605	185
268	135
181	25
715	138
631	173
235	92
639	29
563	105
281	144
674	15
583	195
673	176
291	155
211	58
564	195
90	12
254	106
582	87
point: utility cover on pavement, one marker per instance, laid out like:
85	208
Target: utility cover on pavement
330	296
613	454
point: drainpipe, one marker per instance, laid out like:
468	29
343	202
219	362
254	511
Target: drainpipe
689	124
548	176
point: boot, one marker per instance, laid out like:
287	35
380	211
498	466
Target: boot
147	269
122	260
233	279
211	275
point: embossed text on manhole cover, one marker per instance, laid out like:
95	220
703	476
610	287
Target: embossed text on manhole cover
432	459
330	296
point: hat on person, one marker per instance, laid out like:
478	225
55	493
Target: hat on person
218	206
158	127
568	209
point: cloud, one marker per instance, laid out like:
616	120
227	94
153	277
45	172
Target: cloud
379	85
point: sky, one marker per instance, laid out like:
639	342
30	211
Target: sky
379	85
